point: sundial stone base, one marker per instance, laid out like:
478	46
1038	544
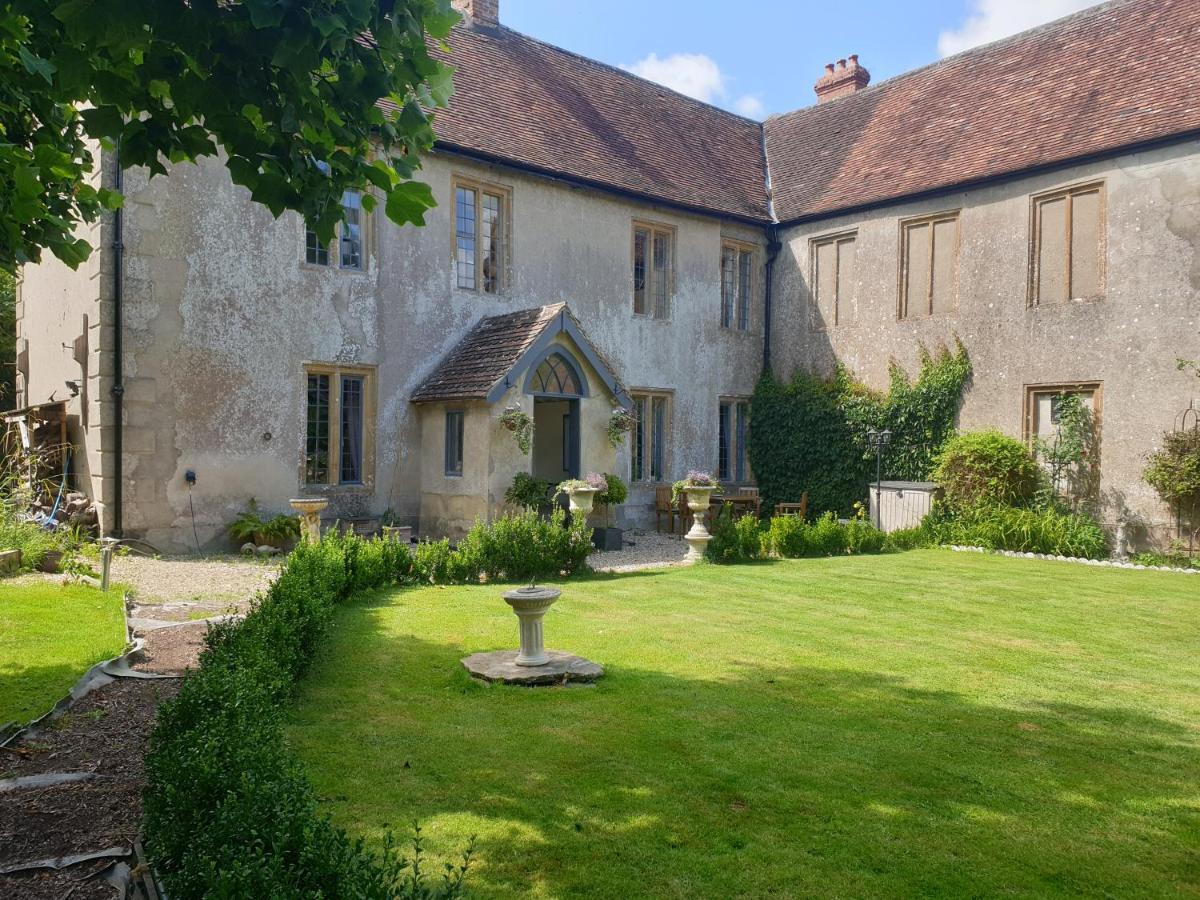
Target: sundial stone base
500	666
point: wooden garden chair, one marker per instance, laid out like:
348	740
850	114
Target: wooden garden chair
664	507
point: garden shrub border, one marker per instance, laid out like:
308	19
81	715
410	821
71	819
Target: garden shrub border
228	810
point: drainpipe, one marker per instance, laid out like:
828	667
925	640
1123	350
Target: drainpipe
118	388
773	248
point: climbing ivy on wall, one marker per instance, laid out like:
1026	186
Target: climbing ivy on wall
810	434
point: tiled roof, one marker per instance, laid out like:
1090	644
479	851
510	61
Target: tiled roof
486	355
523	101
1114	76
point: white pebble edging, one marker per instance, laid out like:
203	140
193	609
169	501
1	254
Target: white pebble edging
1107	563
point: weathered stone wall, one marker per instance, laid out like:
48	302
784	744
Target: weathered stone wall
1129	340
222	315
52	303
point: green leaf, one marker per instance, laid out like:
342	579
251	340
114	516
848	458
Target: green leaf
408	202
27	182
35	65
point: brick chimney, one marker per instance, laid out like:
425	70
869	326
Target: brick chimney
845	78
481	12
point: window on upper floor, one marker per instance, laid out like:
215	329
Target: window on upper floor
349	243
733	424
833	280
481	214
648	446
338	438
653	270
737	284
1067	253
928	265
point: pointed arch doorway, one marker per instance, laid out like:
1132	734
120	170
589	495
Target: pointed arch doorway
557	385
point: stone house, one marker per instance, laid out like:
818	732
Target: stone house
603	242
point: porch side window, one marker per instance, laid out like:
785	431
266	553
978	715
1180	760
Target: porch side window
724	423
649	444
653	270
454	442
737	281
480	236
338	433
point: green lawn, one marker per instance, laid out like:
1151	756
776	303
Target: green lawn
925	723
50	635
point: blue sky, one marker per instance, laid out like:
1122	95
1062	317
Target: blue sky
761	57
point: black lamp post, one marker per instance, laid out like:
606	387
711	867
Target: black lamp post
878	442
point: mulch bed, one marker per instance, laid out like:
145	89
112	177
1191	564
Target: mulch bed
104	734
171	651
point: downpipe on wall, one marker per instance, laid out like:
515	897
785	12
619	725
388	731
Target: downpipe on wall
118	388
773	248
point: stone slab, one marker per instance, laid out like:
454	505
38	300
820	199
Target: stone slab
500	666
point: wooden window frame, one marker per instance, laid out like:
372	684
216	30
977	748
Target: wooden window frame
903	310
336	371
735	322
655	228
1035	243
814	245
333	249
1032	391
480	188
650	395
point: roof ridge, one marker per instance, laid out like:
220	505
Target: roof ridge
954	58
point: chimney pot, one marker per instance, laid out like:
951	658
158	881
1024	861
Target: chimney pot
842	79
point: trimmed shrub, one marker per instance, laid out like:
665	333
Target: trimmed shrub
1044	530
908	539
977	467
735	541
793	538
228	811
521	548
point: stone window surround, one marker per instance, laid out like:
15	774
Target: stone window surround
650	395
735	324
849	235
733	402
655	228
1032	391
903	308
366	231
1035	202
504	282
335	370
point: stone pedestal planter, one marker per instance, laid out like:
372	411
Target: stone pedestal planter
530	605
698	499
309	510
580	500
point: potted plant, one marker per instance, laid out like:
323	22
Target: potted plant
608	536
250	527
581	494
699	488
530	493
620	423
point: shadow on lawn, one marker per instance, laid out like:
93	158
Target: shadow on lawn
789	780
27	692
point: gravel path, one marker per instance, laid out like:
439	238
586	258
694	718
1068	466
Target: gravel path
179	589
643	550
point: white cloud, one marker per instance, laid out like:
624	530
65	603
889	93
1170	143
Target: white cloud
750	107
698	76
991	20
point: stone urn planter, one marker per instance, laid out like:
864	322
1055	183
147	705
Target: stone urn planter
581	496
530	604
698	500
309	510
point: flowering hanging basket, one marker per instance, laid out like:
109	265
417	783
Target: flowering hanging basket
520	423
620	423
